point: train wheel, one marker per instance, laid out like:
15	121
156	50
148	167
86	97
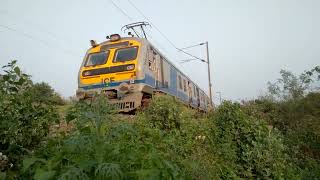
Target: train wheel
145	102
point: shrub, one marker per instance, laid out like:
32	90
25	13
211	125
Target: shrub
164	112
296	114
102	148
43	93
247	147
164	141
24	122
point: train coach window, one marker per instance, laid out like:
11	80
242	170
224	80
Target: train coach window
125	54
97	58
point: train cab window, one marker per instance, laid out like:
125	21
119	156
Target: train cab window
125	54
97	58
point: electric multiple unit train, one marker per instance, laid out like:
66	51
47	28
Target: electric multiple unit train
130	70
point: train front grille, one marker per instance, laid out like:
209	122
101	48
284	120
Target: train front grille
125	105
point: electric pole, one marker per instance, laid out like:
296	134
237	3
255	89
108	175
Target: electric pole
205	61
209	77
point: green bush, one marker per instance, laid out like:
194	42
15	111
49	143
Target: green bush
24	122
247	147
43	93
276	137
106	145
102	148
296	114
164	112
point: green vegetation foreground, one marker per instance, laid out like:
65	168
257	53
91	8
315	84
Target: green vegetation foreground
276	137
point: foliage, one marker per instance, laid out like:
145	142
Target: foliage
107	146
24	122
274	137
228	143
290	86
13	80
250	149
298	120
43	93
164	112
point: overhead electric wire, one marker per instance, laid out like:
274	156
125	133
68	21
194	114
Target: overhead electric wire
121	10
36	26
186	60
24	34
142	14
156	42
200	44
162	34
33	38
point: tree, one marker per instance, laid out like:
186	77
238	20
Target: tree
290	86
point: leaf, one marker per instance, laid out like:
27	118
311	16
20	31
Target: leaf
5	77
13	62
17	70
43	175
74	173
3	175
29	162
108	171
21	81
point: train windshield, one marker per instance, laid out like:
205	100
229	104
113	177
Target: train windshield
126	54
97	58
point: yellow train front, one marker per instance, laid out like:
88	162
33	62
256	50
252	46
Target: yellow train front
130	70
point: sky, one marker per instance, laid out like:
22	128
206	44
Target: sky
249	41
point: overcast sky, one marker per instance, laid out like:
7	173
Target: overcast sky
250	41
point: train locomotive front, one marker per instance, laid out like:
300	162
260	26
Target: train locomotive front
114	68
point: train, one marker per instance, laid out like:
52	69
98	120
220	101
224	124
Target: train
130	71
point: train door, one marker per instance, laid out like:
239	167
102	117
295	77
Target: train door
158	70
161	76
198	96
166	69
152	67
189	92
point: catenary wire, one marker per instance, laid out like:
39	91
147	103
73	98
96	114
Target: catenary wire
38	27
162	34
33	38
121	10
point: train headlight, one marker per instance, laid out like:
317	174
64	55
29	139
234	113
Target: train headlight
124	88
115	37
130	67
86	73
